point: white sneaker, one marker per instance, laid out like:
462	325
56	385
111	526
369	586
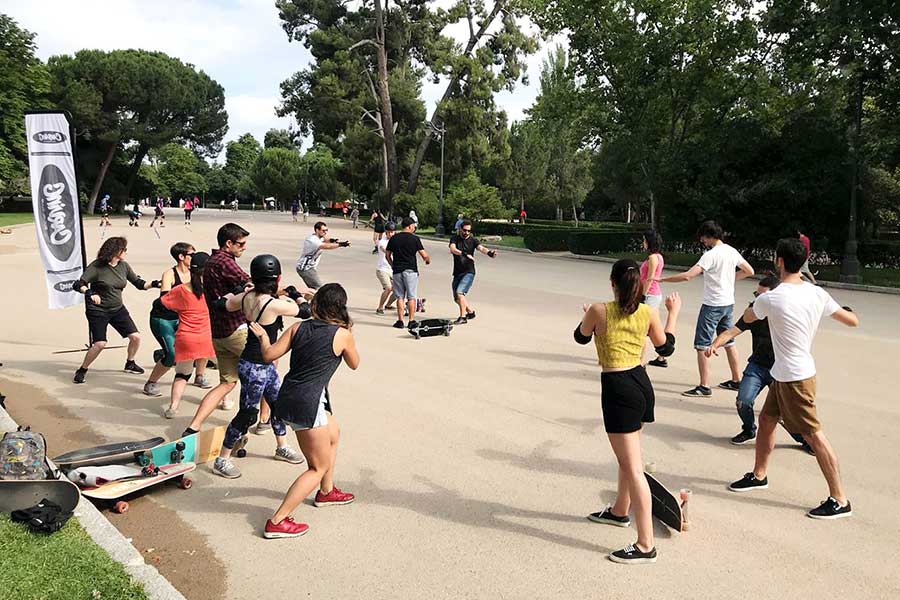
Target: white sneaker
288	454
226	404
203	382
169	413
226	468
152	389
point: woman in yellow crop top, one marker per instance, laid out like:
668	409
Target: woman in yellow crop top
619	329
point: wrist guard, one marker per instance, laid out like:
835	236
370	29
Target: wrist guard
344	244
293	293
492	253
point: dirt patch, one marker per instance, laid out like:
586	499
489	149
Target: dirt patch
178	550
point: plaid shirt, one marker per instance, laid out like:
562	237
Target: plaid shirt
220	277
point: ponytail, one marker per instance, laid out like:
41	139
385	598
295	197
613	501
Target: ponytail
197	282
626	280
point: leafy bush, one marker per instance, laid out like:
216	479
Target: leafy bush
474	199
424	202
542	239
603	241
879	254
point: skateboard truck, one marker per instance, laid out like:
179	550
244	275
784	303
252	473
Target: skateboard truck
177	454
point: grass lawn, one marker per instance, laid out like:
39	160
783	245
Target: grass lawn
7	219
61	566
510	241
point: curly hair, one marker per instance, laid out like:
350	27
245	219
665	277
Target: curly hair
112	248
330	305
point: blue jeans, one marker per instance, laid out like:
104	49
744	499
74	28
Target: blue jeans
712	321
756	377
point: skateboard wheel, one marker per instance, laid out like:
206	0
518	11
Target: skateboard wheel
446	334
180	446
241	453
185	483
143	460
121	507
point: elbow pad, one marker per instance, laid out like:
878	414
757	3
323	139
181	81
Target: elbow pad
140	284
219	304
580	337
304	310
667	349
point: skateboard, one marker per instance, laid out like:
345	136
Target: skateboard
432	327
668	508
112	494
17	495
197	448
119	452
93	476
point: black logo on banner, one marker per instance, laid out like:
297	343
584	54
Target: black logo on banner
49	137
65	286
57	213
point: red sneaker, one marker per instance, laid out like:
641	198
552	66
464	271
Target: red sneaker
334	497
286	529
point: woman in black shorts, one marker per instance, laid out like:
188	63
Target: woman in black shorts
102	283
377	223
619	329
317	347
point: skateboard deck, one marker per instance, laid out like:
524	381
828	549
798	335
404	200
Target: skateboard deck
17	495
93	476
119	452
200	447
112	493
666	506
432	327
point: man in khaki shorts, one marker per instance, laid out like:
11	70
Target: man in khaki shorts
222	277
384	272
794	310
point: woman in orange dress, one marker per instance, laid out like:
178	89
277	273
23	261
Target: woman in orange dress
193	339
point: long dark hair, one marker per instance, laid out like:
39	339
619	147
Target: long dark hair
626	280
654	241
198	262
330	305
265	287
111	248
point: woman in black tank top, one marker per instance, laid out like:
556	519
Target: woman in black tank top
317	348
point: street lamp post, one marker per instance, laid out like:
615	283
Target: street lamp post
439	228
850	261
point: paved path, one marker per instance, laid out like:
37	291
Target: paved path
475	458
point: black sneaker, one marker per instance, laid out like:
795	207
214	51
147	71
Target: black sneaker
730	385
461	321
413	324
659	362
749	482
132	367
701	391
830	509
79	375
375	250
607	517
742	438
631	555
398	324
470	315
807	448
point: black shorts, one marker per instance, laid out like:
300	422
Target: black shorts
627	400
379	228
120	320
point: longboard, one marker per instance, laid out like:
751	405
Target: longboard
666	506
93	476
432	327
198	448
114	492
17	495
119	452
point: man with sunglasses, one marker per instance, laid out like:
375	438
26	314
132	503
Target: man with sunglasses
313	246
757	372
463	246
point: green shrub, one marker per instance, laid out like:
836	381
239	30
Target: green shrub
545	239
474	199
879	254
603	241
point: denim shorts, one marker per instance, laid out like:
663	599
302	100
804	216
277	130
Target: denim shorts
653	301
462	284
406	285
712	321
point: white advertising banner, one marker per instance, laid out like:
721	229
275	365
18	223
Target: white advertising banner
54	196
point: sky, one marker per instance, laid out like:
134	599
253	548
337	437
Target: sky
239	43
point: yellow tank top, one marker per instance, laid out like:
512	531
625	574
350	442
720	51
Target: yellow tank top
623	343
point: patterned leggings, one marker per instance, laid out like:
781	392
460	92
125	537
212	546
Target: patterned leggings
257	381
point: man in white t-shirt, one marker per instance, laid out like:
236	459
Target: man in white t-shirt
384	272
794	310
313	246
721	266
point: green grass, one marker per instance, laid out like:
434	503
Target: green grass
510	241
61	566
7	219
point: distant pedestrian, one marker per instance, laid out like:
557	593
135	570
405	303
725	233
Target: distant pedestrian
522	216
354	217
188	209
414	217
104	210
134	215
377	222
459	222
344	211
159	213
295	210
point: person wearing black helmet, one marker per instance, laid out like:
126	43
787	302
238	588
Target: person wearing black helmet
259	378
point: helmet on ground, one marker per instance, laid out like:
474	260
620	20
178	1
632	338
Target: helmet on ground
265	266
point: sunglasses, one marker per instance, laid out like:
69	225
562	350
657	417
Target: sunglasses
241	244
467	230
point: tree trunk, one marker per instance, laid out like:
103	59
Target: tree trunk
474	37
101	176
653	222
135	167
387	115
575	214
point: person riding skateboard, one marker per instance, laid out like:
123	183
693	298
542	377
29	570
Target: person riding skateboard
794	310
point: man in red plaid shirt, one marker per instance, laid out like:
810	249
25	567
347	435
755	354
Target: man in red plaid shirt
222	277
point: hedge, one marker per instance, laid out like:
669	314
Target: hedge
879	254
545	239
600	242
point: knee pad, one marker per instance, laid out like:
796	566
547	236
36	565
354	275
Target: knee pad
185	376
245	418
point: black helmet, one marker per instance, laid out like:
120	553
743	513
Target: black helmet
265	266
198	260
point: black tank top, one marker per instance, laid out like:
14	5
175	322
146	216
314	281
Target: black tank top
159	311
312	365
252	350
